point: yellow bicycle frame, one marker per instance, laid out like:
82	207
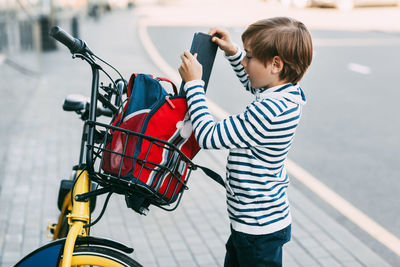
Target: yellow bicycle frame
66	207
79	216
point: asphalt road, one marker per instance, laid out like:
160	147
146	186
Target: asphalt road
348	137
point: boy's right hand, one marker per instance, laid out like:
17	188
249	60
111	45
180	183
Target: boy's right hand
222	39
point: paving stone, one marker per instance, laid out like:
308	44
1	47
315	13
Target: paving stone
166	261
9	258
198	249
204	259
341	255
319	252
353	263
299	254
187	263
329	262
177	245
309	242
183	255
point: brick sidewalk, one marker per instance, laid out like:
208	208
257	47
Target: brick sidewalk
44	145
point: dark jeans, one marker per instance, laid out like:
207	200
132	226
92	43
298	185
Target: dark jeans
256	250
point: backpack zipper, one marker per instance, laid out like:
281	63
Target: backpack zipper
169	102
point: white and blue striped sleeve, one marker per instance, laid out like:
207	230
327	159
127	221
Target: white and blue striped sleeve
258	125
238	68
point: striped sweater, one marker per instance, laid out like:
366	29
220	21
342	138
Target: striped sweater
258	141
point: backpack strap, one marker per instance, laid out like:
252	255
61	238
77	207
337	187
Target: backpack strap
130	84
169	81
134	75
212	174
119	118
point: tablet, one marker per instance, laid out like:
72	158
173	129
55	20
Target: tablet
206	51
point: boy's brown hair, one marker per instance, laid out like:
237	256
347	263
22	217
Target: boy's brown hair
284	37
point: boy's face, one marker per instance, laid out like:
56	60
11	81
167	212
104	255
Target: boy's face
261	75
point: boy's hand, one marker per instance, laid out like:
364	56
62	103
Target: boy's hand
223	40
190	68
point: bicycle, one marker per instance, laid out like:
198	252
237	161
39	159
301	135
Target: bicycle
72	244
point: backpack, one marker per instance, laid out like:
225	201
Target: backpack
156	158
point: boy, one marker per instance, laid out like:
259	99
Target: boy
277	53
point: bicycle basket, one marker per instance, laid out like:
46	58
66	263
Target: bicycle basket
158	171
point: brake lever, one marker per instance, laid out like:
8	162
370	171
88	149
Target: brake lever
107	103
84	114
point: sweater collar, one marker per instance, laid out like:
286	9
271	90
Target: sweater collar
289	91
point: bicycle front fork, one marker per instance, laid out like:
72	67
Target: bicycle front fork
79	216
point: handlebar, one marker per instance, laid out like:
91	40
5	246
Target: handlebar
79	47
102	111
75	45
89	109
80	104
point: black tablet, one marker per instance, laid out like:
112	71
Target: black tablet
206	51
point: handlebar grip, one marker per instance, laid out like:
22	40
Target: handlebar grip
102	111
75	45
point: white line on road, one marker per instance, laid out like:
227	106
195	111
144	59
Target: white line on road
345	207
2	58
336	201
359	68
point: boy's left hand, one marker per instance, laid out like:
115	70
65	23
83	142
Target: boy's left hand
190	68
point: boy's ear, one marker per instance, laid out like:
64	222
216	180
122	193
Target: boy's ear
277	64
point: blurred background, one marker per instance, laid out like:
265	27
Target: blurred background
24	24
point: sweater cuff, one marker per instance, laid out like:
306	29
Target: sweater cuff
193	85
237	56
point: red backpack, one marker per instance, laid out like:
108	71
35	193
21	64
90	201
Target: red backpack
148	159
